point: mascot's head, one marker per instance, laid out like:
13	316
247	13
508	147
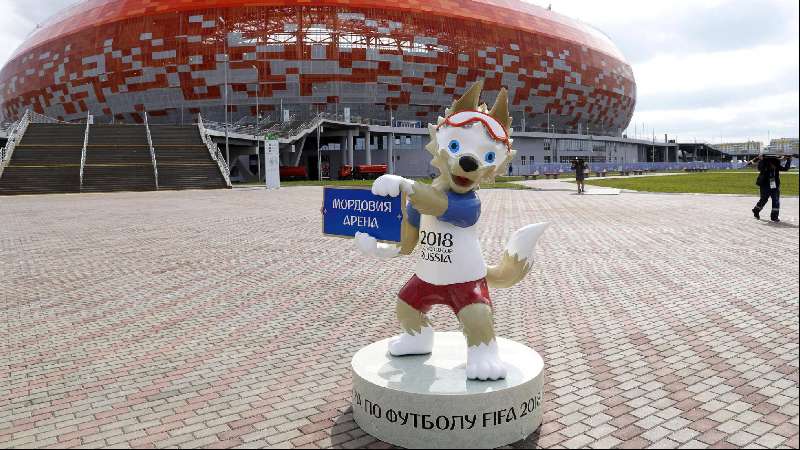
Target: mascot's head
471	144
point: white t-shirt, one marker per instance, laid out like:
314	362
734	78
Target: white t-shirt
449	251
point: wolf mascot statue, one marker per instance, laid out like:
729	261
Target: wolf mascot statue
469	146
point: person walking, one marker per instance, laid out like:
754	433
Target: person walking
769	183
580	167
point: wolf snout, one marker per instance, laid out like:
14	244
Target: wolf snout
468	163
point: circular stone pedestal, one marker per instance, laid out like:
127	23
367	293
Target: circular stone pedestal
427	402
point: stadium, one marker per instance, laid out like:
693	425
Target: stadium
340	84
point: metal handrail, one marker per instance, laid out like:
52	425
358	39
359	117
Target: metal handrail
39	118
152	149
223	165
214	151
14	138
9	144
204	136
280	128
85	145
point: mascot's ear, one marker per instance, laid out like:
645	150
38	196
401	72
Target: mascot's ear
500	109
469	101
433	145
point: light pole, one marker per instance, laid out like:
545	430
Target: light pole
258	120
319	152
227	63
391	142
258	94
653	148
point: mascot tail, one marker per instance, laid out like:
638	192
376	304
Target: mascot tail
517	259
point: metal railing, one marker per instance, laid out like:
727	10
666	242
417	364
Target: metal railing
152	149
6	127
293	128
250	130
14	139
39	118
85	145
214	151
286	129
308	126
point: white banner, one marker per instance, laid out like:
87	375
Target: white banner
272	164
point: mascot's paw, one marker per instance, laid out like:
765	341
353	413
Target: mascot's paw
370	246
391	186
484	363
407	344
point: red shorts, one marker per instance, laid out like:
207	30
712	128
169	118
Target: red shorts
422	296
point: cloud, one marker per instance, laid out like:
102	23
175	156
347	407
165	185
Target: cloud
712	70
747	70
642	30
747	92
716	69
719	96
758	117
20	18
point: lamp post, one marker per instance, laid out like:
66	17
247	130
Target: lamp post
258	122
653	148
391	142
319	152
258	94
227	63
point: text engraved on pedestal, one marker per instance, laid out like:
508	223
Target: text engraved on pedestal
419	420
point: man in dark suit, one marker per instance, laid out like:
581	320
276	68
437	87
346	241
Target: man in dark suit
769	182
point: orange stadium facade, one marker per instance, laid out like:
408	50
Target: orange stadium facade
116	59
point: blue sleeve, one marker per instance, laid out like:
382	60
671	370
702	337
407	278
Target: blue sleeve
413	215
463	210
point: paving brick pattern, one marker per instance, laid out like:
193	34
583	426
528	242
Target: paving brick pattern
224	319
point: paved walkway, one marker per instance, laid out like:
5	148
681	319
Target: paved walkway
566	183
225	319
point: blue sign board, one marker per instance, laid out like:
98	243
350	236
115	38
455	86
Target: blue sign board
348	210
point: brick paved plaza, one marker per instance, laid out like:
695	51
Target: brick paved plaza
225	319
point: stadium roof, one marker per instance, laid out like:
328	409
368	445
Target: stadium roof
506	13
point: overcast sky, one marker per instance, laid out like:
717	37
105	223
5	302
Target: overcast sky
714	70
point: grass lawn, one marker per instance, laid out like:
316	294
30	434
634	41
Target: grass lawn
732	182
502	183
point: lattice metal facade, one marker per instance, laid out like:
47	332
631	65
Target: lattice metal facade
168	57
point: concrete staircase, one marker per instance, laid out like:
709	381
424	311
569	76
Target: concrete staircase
46	161
118	159
183	159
